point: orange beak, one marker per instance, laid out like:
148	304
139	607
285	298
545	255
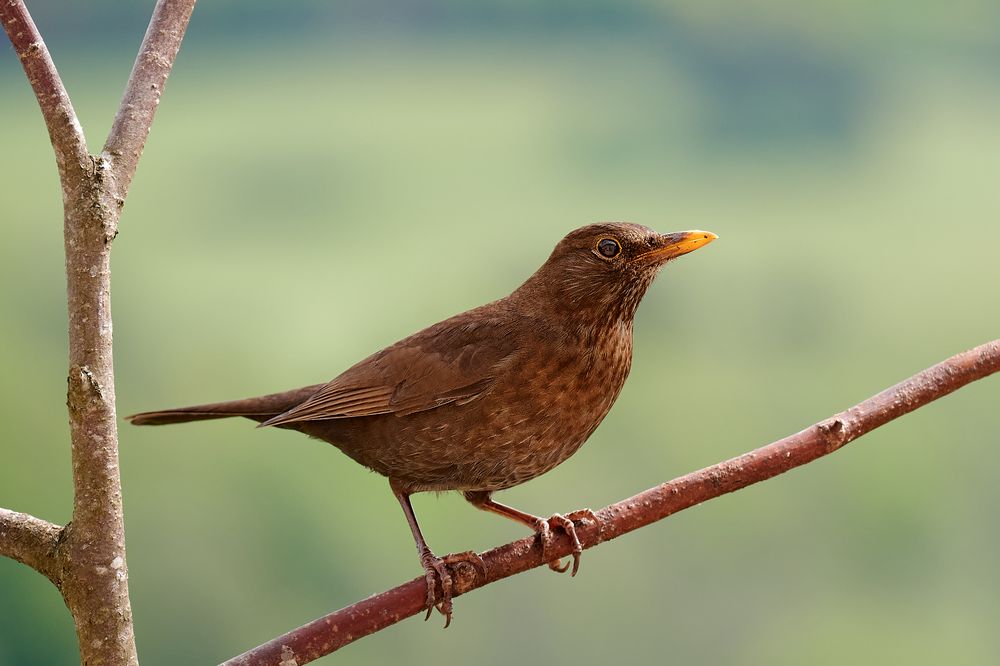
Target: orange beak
678	243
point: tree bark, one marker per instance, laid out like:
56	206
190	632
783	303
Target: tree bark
30	541
86	558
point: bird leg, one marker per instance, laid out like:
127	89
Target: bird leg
481	500
435	568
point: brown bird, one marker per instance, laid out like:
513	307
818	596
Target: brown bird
489	398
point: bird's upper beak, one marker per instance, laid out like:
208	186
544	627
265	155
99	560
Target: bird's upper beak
678	243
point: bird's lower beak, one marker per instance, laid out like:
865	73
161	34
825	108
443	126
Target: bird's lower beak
678	243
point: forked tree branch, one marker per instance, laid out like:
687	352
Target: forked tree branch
329	633
31	541
86	559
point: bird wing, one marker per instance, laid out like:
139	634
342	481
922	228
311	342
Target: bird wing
455	361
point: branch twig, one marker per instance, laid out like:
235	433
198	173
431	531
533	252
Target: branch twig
31	541
145	86
327	634
65	132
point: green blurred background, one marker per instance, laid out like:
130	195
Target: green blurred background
325	178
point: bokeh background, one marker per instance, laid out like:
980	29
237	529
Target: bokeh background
325	178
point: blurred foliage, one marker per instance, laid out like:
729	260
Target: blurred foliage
324	178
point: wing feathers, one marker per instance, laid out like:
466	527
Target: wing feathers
338	404
451	362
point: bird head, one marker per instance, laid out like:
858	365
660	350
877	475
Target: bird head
607	268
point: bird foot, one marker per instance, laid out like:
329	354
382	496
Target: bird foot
567	524
436	574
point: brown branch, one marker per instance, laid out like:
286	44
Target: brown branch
31	541
65	132
145	86
87	562
329	633
95	582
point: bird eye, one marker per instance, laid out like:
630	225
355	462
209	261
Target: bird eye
608	248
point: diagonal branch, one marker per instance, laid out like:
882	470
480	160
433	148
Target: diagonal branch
145	86
329	633
31	541
64	128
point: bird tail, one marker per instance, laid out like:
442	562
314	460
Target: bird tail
260	408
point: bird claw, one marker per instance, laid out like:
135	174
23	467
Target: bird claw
436	574
567	524
469	557
559	567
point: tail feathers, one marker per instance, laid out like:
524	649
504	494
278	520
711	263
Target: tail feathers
185	414
259	409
